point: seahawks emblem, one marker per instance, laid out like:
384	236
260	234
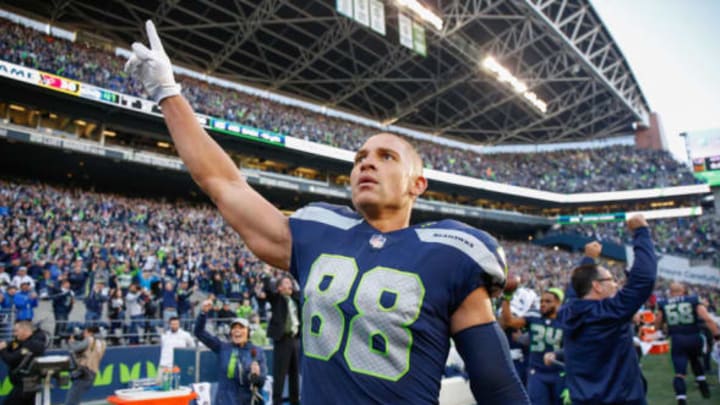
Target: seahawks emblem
377	241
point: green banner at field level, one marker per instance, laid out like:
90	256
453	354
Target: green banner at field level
591	218
244	131
710	177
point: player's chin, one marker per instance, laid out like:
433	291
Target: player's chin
364	198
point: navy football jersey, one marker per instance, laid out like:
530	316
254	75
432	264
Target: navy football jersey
545	336
377	306
680	314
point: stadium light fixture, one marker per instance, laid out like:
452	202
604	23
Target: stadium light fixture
17	107
80	123
423	12
389	121
163	145
107	132
503	75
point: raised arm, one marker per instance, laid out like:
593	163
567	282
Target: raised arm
212	342
506	317
262	227
703	314
641	280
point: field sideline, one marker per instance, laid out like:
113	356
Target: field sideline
659	373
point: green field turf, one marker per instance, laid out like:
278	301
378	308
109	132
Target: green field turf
659	373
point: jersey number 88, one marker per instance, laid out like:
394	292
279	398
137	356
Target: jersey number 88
387	302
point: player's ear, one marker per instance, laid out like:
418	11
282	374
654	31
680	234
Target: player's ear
418	186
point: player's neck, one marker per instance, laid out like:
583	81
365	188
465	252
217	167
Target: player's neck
388	222
386	219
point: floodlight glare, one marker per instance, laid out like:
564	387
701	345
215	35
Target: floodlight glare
422	12
504	76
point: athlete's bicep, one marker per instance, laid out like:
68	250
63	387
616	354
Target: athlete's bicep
263	228
475	309
705	316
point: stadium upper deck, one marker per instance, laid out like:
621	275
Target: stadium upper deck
567	171
557	49
89	65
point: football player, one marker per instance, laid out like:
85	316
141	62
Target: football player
545	384
380	298
682	314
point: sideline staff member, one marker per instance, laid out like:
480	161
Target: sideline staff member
242	364
600	359
283	329
18	354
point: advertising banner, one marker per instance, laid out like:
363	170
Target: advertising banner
58	83
118	368
17	72
680	269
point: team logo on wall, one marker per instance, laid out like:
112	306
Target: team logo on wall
377	241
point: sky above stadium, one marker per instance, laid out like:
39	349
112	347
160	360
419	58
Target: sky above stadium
673	49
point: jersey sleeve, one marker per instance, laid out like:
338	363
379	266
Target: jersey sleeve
482	260
489	265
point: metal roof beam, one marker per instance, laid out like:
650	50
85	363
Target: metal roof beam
245	30
161	12
506	44
546	12
339	32
588	118
461	13
555	66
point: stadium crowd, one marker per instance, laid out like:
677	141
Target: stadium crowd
568	171
148	255
132	246
694	237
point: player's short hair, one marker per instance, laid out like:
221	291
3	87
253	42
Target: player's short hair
173	318
582	278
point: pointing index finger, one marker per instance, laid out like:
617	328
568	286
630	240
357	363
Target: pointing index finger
153	37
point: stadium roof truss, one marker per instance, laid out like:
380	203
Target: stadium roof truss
559	49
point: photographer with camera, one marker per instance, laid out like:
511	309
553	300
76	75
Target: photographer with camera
87	351
18	354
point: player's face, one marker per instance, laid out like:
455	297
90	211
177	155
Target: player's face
548	304
384	175
239	334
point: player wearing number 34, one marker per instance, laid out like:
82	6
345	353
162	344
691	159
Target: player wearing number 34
380	297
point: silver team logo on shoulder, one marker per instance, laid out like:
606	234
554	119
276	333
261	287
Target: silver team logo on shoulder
377	241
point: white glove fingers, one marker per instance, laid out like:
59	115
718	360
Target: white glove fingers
141	51
153	37
132	64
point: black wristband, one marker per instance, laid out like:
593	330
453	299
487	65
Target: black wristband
717	337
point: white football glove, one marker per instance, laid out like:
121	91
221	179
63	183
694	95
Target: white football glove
152	66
